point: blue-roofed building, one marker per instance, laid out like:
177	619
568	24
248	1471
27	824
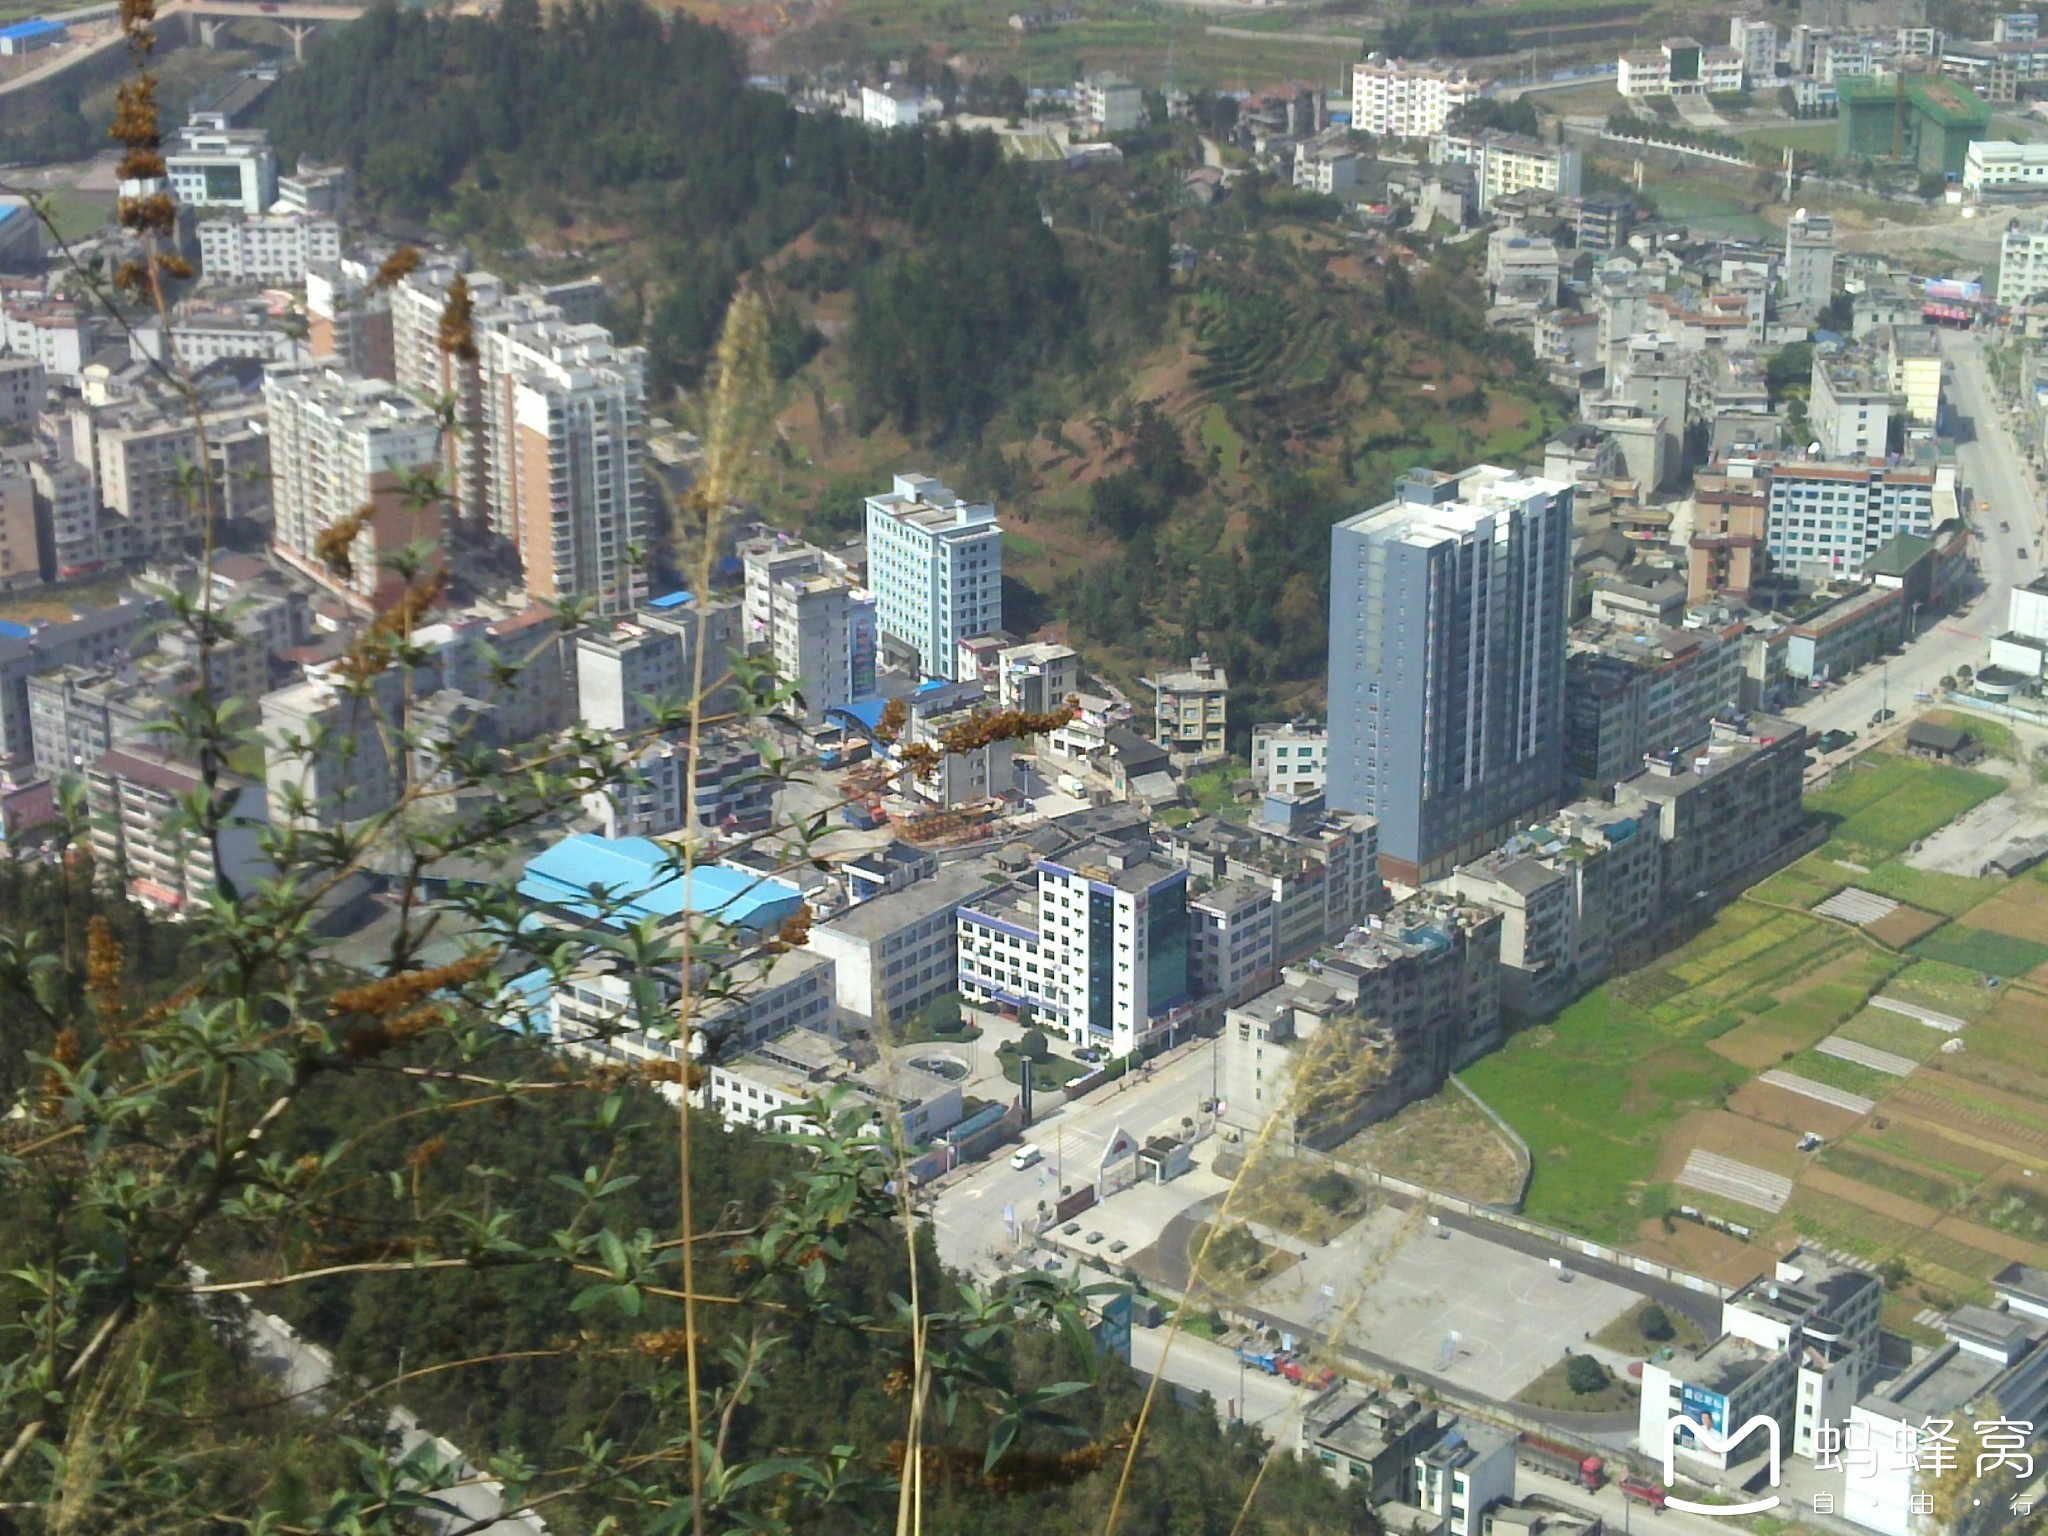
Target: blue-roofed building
619	881
9	630
28	36
528	999
668	600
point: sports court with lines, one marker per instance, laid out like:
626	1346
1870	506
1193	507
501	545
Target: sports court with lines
1474	1313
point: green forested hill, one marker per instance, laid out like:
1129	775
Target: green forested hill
1170	400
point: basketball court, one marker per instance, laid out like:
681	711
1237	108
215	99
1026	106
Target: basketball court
1473	1313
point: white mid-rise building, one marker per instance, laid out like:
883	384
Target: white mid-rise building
898	106
935	564
1291	759
802	606
1679	66
272	248
1506	163
1096	949
1849	405
1994	166
1110	103
1827	519
341	444
1796	1348
223	168
2023	262
1392	98
1757	43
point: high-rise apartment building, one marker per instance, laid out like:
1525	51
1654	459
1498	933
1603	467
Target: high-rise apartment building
562	408
935	564
340	444
348	319
1448	612
420	366
1394	99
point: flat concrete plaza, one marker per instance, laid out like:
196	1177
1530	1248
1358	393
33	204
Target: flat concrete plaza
1473	1313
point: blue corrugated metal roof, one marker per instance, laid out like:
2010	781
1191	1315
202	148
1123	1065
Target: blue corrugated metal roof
528	997
619	881
13	631
36	28
669	600
862	717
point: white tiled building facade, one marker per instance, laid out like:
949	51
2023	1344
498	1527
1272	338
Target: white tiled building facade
1825	519
935	564
272	249
1392	98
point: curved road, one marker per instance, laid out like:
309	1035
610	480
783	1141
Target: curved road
1990	468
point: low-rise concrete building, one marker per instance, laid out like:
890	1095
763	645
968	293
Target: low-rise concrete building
1375	1024
1368	1438
1190	710
1724	812
898	952
1291	758
1465	1474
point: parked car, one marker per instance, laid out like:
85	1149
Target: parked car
1834	741
1883	715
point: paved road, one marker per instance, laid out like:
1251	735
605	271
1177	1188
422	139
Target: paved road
1266	1402
1992	469
95	38
968	1212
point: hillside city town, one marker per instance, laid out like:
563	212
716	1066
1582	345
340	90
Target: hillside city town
1583	712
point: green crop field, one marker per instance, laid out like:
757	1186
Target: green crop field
1594	1097
1883	807
1950	895
1978	949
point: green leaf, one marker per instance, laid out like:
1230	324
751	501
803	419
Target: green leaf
1000	1439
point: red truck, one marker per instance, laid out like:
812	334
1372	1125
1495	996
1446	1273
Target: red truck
1574	1466
1295	1372
1639	1492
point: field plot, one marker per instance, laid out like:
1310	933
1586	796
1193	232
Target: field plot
1886	804
1876	1083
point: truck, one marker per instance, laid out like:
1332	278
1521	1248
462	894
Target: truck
1268	1361
1637	1491
845	754
1562	1461
1027	1156
1297	1373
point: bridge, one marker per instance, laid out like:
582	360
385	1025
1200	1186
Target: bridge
96	30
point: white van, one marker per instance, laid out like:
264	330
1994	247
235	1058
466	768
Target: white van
1027	1156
